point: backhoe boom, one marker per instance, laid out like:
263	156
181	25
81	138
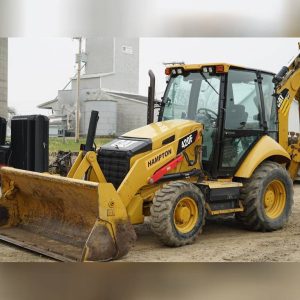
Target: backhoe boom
287	88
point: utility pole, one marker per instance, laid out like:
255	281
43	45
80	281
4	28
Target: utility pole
78	91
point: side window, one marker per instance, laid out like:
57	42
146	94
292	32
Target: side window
243	109
207	113
178	99
269	102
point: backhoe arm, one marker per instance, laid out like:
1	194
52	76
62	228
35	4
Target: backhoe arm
287	88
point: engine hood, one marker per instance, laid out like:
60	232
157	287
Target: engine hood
118	156
163	132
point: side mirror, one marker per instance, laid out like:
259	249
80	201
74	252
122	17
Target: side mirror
151	95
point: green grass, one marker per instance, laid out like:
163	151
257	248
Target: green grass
56	144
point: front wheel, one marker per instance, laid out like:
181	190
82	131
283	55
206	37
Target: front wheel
178	213
267	198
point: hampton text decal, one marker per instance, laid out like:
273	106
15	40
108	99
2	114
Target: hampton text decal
157	158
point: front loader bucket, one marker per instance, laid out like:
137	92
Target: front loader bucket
63	218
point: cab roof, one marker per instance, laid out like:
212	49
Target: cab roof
194	67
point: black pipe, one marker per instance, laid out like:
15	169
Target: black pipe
151	95
176	176
92	131
280	75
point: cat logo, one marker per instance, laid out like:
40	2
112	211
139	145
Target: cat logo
282	96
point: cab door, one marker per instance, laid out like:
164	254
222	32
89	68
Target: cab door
243	119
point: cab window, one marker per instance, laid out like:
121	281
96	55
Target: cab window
269	103
243	109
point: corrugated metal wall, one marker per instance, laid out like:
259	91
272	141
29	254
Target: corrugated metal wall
107	124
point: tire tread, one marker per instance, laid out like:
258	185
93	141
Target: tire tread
163	202
250	218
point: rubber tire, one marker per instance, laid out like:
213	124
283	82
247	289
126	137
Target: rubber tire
254	217
162	211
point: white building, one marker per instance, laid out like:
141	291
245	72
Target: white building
109	84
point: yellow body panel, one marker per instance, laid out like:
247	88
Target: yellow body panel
160	131
135	210
224	211
145	166
219	184
265	148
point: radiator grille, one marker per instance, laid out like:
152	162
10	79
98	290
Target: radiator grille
114	165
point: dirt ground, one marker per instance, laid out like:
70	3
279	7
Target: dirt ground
221	241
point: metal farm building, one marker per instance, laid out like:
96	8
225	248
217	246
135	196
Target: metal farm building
109	84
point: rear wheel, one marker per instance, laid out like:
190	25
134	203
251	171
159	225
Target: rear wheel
267	198
178	213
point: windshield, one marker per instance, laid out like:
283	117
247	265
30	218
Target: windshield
194	96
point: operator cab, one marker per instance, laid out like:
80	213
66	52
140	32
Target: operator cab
235	105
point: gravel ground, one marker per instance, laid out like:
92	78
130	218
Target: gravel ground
222	240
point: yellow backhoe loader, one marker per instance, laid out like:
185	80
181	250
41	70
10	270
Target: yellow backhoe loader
220	146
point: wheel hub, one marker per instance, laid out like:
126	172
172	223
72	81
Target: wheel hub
275	199
185	215
269	198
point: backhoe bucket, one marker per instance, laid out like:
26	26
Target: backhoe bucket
63	218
